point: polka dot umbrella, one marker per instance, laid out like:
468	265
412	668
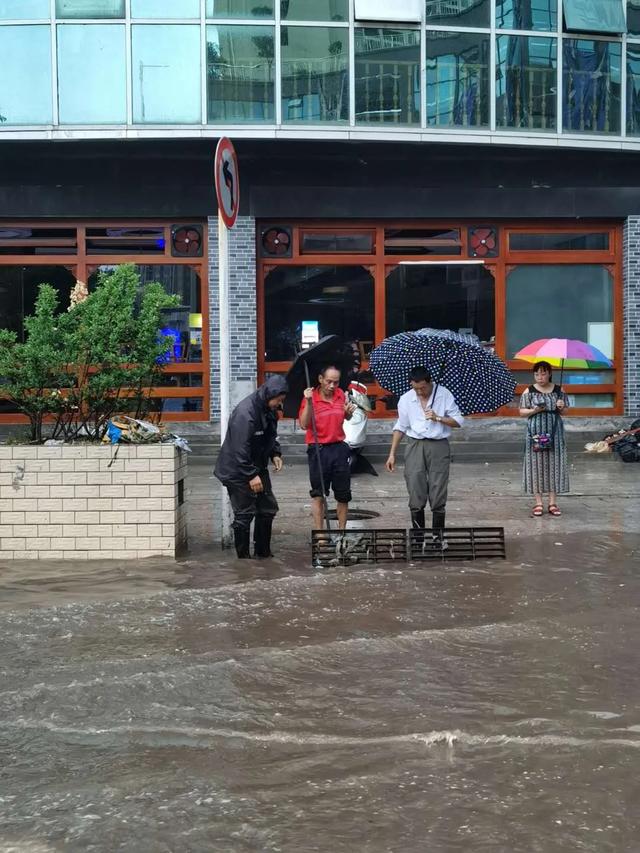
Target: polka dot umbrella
478	379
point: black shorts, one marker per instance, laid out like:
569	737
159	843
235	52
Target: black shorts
335	460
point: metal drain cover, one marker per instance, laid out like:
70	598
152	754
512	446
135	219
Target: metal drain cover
356	514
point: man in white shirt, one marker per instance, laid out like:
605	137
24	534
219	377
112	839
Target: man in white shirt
426	415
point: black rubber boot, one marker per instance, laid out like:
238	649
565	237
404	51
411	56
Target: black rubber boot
241	540
438	529
262	536
417	523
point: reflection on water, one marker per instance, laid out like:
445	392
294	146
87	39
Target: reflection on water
265	707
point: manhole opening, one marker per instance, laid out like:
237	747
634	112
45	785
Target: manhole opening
356	514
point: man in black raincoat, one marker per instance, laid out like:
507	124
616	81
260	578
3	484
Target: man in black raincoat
242	466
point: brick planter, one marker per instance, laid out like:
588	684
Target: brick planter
69	503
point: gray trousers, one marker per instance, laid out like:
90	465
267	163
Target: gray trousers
426	472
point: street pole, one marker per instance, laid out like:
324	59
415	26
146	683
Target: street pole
228	199
225	358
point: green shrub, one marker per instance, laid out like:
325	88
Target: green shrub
90	363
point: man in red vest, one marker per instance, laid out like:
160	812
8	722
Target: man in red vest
330	409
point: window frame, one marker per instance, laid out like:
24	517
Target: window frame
82	264
498	266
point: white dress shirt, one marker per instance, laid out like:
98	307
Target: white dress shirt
411	414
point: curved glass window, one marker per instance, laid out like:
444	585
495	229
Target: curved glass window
240	73
316	10
591	86
315	78
25	75
457	79
387	75
90	8
240	8
526	82
166	73
463	13
24	10
165	8
527	15
92	79
633	17
633	89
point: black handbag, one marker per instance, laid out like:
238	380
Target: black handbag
542	441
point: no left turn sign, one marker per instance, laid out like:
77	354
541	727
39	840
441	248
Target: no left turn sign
227	182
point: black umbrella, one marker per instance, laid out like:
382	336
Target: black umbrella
329	351
477	378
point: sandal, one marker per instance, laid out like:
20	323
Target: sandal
554	509
538	510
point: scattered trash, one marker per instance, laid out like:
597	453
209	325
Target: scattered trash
54	442
126	430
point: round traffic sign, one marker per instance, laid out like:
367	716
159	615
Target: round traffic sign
227	182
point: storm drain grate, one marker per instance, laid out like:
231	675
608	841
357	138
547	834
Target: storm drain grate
355	514
394	544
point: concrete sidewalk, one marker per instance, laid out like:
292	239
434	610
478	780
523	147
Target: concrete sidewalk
605	497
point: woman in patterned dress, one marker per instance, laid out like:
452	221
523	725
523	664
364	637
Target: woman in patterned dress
545	471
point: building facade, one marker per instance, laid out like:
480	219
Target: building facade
445	163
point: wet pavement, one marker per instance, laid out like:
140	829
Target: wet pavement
222	705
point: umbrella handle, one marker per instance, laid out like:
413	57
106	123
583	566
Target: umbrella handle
314	429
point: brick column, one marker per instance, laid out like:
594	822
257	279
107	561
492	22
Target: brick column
631	297
242	310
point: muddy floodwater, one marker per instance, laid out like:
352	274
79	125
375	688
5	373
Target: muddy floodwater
269	707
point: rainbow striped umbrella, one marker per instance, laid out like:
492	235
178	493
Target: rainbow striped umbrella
564	353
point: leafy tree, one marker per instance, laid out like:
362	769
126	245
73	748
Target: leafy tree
88	364
32	373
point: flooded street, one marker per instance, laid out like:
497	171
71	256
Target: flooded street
488	706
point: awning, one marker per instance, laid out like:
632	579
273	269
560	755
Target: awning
594	16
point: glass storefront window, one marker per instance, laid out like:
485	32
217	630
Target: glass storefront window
240	8
90	8
387	75
240	73
167	405
633	89
318	242
182	324
316	10
422	241
457	79
315	74
573	377
24	10
25	75
19	288
92	79
591	401
558	241
563	301
472	13
527	15
165	8
447	296
338	299
166	73
526	82
591	86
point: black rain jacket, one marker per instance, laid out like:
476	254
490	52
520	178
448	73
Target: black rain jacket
252	436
